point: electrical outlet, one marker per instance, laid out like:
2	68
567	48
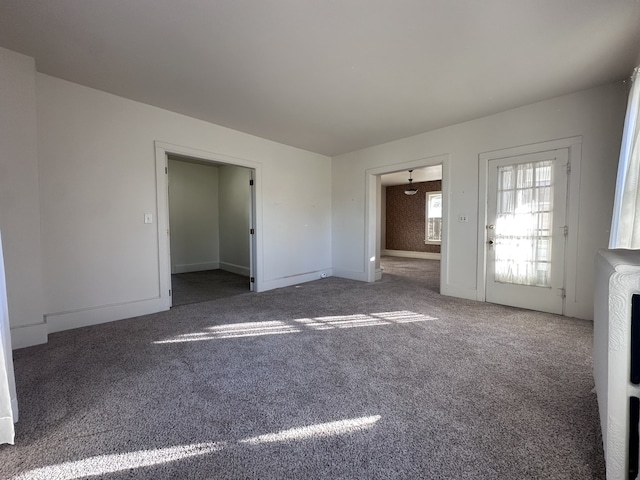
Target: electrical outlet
463	218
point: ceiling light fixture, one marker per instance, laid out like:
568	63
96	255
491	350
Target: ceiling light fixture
410	190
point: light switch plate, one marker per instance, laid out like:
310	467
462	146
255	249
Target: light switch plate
148	218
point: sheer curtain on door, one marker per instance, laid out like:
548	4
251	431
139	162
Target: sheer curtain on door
523	224
625	224
8	399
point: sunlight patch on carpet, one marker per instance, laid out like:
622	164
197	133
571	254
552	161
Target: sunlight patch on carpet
403	316
340	427
253	329
236	330
104	464
340	321
101	465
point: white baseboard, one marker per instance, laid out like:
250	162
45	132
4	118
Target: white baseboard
28	336
233	268
57	322
194	267
407	254
294	280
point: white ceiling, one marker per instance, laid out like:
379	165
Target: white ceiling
330	76
424	174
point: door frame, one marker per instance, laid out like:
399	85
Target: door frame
162	150
574	146
372	213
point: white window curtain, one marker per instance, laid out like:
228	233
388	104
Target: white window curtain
8	399
625	224
524	219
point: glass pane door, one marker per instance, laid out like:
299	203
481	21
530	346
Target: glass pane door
525	233
523	239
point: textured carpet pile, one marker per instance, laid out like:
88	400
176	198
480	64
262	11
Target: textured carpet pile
332	379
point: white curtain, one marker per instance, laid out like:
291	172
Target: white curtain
8	399
524	219
625	224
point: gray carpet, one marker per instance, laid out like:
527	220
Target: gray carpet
332	379
196	287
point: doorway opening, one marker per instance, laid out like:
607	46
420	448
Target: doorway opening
407	233
207	227
411	225
209	218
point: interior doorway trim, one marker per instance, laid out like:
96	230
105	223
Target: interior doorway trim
372	248
162	150
574	145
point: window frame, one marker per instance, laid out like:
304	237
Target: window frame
426	218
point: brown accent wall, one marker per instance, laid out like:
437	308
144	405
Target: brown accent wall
405	220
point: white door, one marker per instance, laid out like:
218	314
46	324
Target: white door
525	234
252	232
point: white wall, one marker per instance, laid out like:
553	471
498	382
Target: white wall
19	201
596	114
97	172
82	235
235	210
193	212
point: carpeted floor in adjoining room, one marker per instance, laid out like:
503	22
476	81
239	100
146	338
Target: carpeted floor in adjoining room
333	379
